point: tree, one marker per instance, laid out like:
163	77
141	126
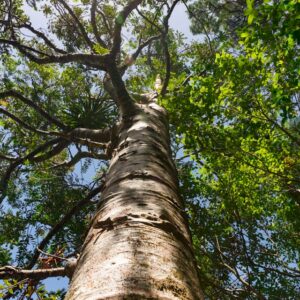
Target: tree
66	95
241	116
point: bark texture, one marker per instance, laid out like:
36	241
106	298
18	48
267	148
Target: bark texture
139	245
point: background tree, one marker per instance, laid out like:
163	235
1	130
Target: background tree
64	100
237	118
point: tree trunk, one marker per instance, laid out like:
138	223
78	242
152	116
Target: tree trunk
139	245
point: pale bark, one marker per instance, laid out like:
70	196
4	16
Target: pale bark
139	245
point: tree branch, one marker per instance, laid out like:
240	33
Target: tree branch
151	22
89	137
168	66
277	125
192	15
235	272
95	135
9	272
5	178
43	37
94	25
109	88
79	24
6	157
106	24
78	156
66	218
145	44
92	60
20	122
129	60
42	112
123	100
166	48
55	151
119	22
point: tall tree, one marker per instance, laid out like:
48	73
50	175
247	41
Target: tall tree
66	95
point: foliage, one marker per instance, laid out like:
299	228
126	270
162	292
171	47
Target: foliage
239	121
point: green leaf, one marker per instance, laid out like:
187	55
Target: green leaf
120	19
100	50
244	34
249	4
250	19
